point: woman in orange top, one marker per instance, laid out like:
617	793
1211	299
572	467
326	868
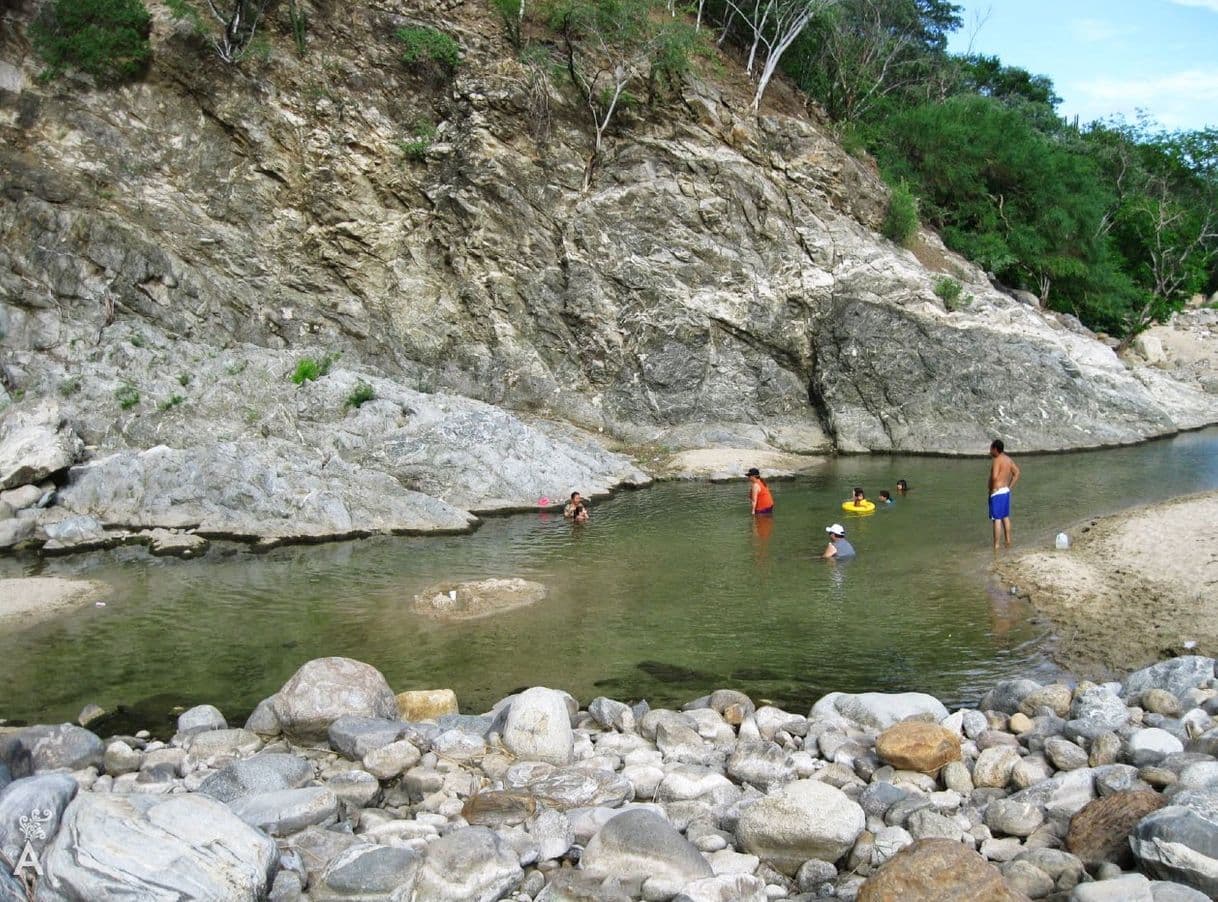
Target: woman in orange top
760	498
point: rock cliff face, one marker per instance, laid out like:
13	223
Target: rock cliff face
721	283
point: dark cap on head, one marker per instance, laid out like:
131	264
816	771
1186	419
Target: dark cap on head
753	471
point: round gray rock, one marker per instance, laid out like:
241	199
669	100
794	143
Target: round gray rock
538	727
805	819
471	864
638	845
325	689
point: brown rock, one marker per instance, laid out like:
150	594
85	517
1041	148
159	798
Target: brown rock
1056	697
427	704
1100	831
1160	701
477	598
937	870
924	747
499	808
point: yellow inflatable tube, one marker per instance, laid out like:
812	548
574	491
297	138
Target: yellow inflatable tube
862	507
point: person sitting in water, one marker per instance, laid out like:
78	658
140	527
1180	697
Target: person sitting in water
902	486
760	499
576	509
838	547
858	499
885	497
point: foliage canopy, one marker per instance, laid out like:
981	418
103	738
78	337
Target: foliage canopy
107	39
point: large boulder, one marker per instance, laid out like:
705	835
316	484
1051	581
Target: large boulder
805	819
143	847
639	845
325	689
935	870
1177	843
478	598
471	864
35	442
538	727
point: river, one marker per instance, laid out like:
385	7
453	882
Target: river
668	593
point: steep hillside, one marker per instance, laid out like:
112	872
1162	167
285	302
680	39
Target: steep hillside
722	282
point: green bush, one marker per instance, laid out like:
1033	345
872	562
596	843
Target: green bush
428	50
308	369
951	293
416	148
901	223
127	396
107	39
362	393
172	401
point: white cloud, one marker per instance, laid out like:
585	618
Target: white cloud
1100	31
1186	99
1211	5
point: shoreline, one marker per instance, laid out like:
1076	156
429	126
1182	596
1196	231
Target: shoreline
1134	587
25	601
337	780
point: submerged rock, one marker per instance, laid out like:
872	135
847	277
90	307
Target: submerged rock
479	598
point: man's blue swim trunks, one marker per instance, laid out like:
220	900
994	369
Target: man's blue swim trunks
1000	504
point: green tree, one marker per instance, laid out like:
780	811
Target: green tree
860	54
107	39
1022	205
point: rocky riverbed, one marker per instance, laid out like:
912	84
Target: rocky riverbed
336	789
1132	587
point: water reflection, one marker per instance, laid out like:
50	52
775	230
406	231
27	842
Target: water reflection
674	580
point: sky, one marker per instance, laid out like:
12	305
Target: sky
1107	57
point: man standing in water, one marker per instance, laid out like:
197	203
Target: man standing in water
1003	475
760	499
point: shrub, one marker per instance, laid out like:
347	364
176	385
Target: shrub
127	396
183	379
951	293
428	50
70	386
308	369
172	401
107	39
416	148
901	223
360	395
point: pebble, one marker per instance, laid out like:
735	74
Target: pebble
1024	772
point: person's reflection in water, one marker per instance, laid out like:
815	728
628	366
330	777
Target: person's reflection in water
1007	612
837	579
763	527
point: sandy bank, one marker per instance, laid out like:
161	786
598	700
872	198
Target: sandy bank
1133	588
27	600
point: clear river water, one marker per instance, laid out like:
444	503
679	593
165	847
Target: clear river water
668	593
